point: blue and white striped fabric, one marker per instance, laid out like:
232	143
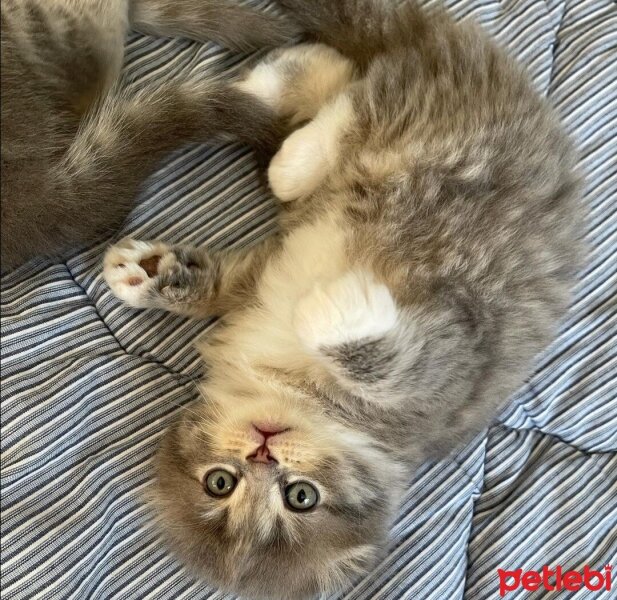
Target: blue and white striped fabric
88	385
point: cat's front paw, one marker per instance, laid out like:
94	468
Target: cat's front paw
131	268
155	275
351	308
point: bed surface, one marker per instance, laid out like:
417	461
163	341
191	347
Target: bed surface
89	385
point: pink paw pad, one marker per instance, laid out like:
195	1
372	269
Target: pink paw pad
150	265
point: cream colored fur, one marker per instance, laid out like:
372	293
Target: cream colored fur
353	307
297	82
310	154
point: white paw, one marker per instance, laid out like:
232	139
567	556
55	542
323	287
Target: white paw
296	82
265	82
353	307
311	153
130	266
299	167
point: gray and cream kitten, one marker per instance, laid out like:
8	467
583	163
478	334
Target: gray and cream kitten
75	146
430	234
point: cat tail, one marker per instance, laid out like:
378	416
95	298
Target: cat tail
228	22
362	29
94	185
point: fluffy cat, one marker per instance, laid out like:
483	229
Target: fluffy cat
430	234
75	147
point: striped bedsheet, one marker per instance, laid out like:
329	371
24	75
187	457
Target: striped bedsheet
88	385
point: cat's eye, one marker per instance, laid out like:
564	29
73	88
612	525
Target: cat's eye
220	483
301	496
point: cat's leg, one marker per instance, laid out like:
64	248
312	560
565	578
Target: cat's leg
228	22
187	280
304	83
436	366
349	326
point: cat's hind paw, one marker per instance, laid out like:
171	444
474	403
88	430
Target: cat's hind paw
311	153
295	82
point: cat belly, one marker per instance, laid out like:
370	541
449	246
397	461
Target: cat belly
312	254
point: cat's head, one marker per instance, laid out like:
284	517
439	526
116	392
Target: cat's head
267	498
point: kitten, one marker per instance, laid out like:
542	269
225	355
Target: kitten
430	233
76	147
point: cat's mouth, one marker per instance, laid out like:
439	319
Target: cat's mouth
262	456
266	431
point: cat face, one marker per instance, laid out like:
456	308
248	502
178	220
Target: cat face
268	498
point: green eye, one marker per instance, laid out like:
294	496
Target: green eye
301	496
220	483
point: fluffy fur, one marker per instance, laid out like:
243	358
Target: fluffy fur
428	245
75	146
